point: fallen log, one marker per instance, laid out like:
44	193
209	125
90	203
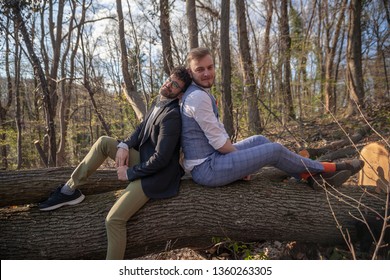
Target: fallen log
350	151
321	153
32	186
246	211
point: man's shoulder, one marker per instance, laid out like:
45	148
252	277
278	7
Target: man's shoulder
173	107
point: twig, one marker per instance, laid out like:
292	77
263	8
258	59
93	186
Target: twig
339	226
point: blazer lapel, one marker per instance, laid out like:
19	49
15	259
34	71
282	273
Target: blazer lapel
149	124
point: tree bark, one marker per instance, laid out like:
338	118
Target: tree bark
129	89
354	58
323	152
36	185
244	211
165	29
67	84
192	23
330	103
8	97
40	76
255	126
286	58
226	69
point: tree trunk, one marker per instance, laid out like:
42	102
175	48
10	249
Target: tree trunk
4	108
265	63
192	23
38	72
67	86
286	49
355	138
129	88
330	102
354	58
247	65
226	69
244	211
165	29
36	185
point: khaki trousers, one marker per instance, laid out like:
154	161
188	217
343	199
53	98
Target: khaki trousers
132	199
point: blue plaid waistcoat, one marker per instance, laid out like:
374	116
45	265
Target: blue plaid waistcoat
194	142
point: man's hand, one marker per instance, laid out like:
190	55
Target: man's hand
227	147
122	157
122	172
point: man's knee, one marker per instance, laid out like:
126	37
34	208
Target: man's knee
261	139
277	147
104	139
112	221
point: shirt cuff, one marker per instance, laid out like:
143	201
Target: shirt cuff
218	143
123	146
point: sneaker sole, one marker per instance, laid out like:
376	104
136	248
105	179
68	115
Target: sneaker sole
72	202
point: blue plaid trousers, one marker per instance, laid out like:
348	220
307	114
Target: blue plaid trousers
252	154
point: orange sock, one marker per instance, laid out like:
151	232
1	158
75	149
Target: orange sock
304	175
329	166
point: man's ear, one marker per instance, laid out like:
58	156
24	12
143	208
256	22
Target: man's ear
189	71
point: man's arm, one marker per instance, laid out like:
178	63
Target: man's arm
227	147
168	138
199	107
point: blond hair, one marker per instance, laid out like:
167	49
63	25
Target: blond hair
196	54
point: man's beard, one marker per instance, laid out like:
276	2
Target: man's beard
168	94
205	83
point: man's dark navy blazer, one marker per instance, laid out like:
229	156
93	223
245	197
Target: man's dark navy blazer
158	142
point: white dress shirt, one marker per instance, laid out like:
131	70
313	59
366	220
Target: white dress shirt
198	106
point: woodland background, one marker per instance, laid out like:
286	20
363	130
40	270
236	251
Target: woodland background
297	71
71	71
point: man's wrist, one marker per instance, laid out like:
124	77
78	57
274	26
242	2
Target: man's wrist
123	145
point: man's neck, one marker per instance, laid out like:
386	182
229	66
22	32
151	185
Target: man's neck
206	89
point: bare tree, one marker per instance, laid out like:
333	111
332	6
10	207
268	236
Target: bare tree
226	72
129	89
354	58
192	23
254	122
92	82
165	28
4	108
40	76
286	54
330	50
67	79
265	58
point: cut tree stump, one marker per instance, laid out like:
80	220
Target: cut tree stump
257	210
376	170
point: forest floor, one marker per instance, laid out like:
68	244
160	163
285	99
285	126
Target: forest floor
312	134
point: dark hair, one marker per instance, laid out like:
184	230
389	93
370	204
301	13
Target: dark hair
182	73
196	54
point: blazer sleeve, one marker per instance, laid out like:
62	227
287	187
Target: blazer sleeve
167	142
133	140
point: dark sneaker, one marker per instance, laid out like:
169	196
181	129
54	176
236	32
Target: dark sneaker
57	199
335	179
353	165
